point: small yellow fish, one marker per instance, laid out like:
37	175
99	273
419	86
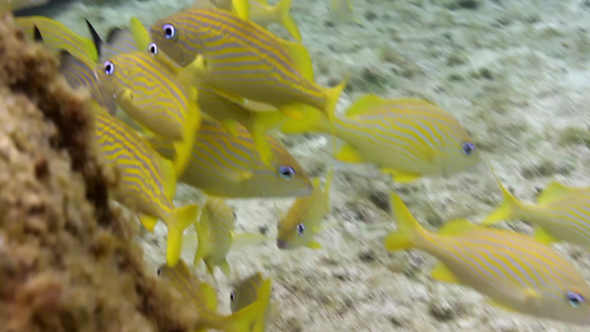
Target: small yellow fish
407	138
246	293
153	97
341	11
249	62
147	181
80	73
203	297
513	270
118	41
561	213
215	233
229	166
304	219
14	5
261	13
57	36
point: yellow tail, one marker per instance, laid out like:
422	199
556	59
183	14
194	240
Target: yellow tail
242	9
332	96
408	229
506	209
283	8
183	217
184	148
245	320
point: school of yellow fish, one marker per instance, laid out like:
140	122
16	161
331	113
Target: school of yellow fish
205	88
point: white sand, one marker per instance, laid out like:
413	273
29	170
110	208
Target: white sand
515	72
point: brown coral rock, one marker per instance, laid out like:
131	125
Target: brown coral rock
68	261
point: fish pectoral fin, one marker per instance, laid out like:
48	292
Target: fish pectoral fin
441	273
231	126
148	222
247	239
313	244
363	104
294	111
348	154
542	236
401	177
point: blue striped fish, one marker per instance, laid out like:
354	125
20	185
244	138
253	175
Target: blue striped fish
513	270
80	73
118	41
407	138
245	293
229	166
153	97
58	37
561	213
204	299
147	182
243	60
304	219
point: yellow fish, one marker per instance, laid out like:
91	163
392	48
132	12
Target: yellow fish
246	293
215	233
147	181
261	13
57	36
513	270
229	166
304	219
80	73
561	213
153	97
242	60
341	11
203	297
407	138
118	41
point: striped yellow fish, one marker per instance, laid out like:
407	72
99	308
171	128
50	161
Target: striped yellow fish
57	36
261	13
341	11
229	166
245	293
153	97
147	181
407	138
203	297
303	221
118	41
13	5
243	60
561	213
215	233
80	73
513	270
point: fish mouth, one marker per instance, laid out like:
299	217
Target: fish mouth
282	244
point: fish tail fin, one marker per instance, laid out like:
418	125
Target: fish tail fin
283	9
183	217
242	9
249	317
408	229
313	120
184	148
332	96
506	209
260	124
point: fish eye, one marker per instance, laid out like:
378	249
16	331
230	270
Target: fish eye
300	229
169	31
574	299
468	148
286	172
153	48
232	296
159	272
109	68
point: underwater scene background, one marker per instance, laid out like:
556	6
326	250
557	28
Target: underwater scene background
514	73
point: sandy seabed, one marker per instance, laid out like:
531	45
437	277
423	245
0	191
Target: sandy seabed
515	72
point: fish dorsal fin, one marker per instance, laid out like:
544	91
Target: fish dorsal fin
441	273
301	58
555	191
140	34
95	38
168	177
37	34
209	296
457	227
364	103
